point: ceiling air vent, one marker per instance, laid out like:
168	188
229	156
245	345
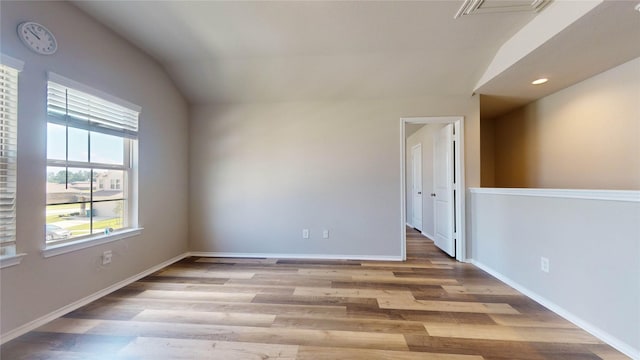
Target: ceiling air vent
470	7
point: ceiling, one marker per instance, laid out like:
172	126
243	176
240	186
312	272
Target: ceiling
245	51
605	37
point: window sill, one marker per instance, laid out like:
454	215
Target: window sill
11	260
60	249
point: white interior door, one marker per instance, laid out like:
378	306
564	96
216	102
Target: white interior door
443	184
416	186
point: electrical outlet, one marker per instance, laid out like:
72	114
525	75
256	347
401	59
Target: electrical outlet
544	264
305	233
325	234
106	257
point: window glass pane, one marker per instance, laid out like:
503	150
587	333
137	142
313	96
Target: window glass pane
56	142
108	185
107	149
78	145
67	221
108	215
70	186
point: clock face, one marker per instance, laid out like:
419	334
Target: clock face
37	38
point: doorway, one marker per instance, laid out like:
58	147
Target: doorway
448	173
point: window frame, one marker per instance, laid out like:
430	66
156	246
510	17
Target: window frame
129	168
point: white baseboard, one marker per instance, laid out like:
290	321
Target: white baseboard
297	256
12	334
620	345
431	237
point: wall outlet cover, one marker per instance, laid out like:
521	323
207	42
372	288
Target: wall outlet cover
544	264
106	257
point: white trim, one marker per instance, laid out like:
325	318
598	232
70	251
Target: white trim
59	79
11	260
458	121
11	62
12	334
431	119
620	345
403	190
413	195
610	195
461	245
296	256
89	242
431	237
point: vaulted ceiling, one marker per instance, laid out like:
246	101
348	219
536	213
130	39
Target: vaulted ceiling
239	51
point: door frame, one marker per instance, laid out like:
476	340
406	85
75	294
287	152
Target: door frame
413	195
458	124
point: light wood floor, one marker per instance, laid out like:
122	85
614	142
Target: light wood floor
429	307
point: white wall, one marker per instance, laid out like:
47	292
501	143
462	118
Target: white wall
91	54
593	246
425	137
260	173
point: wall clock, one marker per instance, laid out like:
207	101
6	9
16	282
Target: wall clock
37	38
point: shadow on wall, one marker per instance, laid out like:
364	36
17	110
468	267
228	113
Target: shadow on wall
516	141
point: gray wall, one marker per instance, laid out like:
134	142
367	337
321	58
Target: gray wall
92	55
593	247
260	173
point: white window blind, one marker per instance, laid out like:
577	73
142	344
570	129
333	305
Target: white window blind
8	157
69	106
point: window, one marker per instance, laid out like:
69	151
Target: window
91	142
115	184
8	156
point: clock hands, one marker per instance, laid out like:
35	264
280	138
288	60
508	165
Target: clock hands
34	34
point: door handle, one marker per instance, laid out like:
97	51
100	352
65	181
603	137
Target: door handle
419	192
433	194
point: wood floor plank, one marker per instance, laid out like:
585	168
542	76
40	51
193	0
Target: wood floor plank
400	265
327	353
407	281
340	273
206	273
69	325
281	281
206	317
234	261
497	332
196	295
189	349
360	293
338	338
224	288
408	303
480	289
500	349
311	300
252	308
350	324
605	352
543	320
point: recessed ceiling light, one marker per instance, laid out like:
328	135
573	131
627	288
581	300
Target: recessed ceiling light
540	81
637	7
